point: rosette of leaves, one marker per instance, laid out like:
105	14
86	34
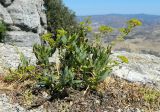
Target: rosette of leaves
42	53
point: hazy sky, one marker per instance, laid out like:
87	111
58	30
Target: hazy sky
91	7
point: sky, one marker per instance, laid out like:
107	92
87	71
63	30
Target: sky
98	7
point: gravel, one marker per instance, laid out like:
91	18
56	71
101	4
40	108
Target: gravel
7	106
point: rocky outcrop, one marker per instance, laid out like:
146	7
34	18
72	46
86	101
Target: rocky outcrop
142	68
5	16
6	2
10	58
20	38
26	21
25	18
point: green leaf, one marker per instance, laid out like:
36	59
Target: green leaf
104	75
123	59
64	40
77	81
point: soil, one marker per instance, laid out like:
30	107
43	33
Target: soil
114	95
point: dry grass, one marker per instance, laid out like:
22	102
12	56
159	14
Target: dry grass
5	86
127	94
114	93
138	45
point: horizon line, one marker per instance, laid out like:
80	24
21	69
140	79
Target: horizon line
120	14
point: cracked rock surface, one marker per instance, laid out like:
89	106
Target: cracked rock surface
25	19
9	57
143	68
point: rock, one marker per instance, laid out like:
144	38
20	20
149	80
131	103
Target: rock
26	22
5	16
13	28
9	57
143	68
26	16
22	38
55	57
6	2
7	106
43	19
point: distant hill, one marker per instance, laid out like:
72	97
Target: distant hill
149	29
144	39
118	20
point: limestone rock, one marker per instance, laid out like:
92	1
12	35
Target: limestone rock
25	18
143	68
9	57
6	2
24	14
13	28
5	16
22	38
6	105
43	19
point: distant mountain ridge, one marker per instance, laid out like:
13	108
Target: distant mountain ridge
150	28
118	20
143	39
